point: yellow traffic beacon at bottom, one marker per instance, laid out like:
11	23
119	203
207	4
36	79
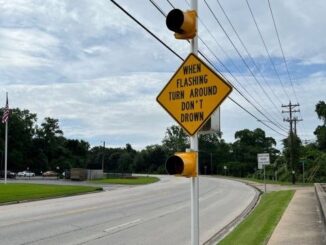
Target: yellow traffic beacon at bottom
183	164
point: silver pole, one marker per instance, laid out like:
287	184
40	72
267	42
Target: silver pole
194	197
264	177
302	171
194	147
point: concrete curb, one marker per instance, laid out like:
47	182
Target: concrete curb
321	197
229	227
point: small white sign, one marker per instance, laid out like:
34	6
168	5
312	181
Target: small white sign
263	159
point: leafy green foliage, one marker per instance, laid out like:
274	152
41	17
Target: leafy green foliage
175	140
245	149
44	147
320	131
296	150
40	148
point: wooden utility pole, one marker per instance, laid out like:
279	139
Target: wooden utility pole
290	119
103	156
295	120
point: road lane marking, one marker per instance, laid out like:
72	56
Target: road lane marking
124	225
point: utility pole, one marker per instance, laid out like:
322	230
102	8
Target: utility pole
103	156
290	119
211	163
295	120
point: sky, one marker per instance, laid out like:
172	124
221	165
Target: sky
89	65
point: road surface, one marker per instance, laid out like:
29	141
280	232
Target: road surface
158	213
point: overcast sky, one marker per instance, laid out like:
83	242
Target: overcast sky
89	65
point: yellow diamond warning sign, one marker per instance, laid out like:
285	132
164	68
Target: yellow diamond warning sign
193	94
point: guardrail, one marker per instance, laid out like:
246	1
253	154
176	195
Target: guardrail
320	189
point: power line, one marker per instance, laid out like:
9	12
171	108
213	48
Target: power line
249	55
255	117
284	59
238	82
253	62
238	52
165	45
280	44
145	28
267	51
276	124
281	127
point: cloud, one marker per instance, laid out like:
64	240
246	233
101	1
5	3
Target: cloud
114	106
25	48
89	65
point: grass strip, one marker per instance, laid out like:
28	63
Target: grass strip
268	181
127	181
27	192
257	228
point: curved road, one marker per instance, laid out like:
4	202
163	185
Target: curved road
153	214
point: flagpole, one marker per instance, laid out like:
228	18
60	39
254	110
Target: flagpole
5	117
6	150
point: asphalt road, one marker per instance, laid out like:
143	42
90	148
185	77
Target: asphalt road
158	213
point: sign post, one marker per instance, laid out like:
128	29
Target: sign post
192	95
194	147
263	160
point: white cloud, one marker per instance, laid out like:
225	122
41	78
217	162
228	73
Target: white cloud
123	105
25	47
89	65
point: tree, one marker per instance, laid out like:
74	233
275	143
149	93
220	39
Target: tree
21	129
78	153
156	158
246	147
249	143
296	149
320	131
125	162
50	129
321	111
175	139
51	142
213	151
140	164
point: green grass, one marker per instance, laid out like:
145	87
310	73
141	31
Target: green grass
278	182
28	192
258	227
127	181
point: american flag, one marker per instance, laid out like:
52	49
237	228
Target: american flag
5	115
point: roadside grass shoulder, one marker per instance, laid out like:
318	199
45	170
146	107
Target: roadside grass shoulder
13	192
278	182
257	228
127	181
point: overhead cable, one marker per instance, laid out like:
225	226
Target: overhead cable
165	45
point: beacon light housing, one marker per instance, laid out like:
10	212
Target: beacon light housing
182	23
182	164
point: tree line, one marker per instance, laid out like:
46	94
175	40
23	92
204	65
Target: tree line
44	147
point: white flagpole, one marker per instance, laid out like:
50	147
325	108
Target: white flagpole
6	150
6	139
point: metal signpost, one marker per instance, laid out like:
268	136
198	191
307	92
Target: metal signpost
263	160
191	96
